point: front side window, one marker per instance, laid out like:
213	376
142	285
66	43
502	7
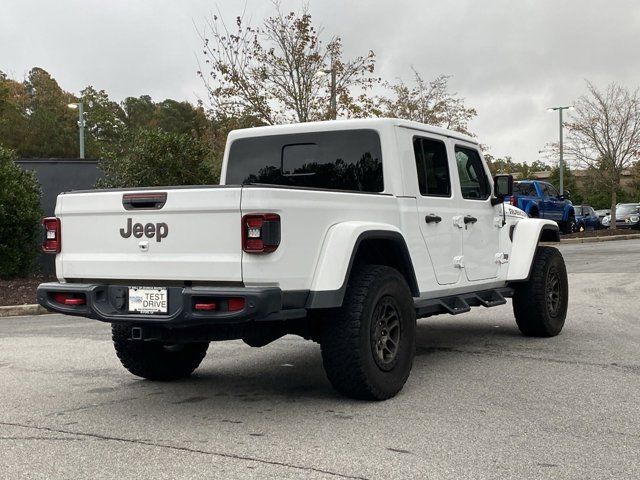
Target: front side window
432	167
341	160
552	191
544	189
473	179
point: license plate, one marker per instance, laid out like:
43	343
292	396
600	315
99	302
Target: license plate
148	300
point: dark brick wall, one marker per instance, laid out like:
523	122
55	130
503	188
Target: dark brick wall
58	175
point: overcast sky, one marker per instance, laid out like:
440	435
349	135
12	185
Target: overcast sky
509	59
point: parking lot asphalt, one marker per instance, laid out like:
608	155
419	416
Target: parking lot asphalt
482	400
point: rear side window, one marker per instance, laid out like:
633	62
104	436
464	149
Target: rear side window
473	179
526	189
341	160
432	167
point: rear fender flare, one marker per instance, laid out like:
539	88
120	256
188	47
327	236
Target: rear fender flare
528	233
338	253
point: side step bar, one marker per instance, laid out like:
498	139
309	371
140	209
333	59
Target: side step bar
456	304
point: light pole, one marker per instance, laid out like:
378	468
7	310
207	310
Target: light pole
561	165
333	107
80	124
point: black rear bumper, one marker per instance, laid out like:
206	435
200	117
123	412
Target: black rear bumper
109	303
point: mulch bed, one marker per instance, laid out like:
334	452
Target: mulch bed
602	233
20	291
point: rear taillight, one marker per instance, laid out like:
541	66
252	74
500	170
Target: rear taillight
70	298
52	241
260	232
513	201
236	304
206	307
218	304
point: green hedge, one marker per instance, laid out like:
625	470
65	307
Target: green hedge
20	215
151	158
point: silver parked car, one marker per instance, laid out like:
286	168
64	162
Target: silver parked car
627	216
605	212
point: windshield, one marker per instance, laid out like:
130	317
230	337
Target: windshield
628	209
340	160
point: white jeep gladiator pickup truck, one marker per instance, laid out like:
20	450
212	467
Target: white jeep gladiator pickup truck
342	232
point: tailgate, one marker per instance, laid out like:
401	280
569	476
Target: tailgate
194	234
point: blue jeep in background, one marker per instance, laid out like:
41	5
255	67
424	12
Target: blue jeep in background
542	200
586	218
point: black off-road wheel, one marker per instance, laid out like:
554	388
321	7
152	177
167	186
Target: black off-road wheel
156	360
369	345
540	304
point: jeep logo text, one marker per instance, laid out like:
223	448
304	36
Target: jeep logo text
150	230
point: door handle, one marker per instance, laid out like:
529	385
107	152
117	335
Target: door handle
432	218
469	219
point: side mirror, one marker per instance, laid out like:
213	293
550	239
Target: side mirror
502	186
566	194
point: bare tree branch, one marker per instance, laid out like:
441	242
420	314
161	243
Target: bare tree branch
604	134
427	102
271	71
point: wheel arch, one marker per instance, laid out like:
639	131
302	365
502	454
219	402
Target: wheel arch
345	247
527	235
532	206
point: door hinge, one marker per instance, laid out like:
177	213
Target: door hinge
502	257
458	262
458	221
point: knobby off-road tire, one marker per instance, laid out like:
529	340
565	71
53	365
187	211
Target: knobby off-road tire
540	304
156	360
369	344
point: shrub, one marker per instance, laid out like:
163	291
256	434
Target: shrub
151	158
19	217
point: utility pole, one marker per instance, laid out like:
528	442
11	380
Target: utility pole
80	108
333	101
561	164
333	104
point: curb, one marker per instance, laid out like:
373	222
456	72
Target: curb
20	310
632	236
